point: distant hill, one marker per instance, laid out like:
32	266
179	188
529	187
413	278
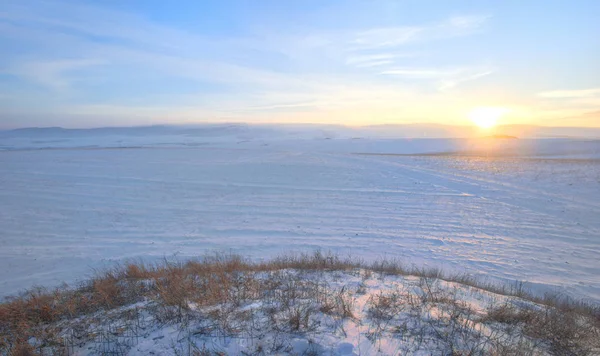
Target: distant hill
242	130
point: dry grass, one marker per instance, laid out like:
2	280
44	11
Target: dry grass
565	326
566	331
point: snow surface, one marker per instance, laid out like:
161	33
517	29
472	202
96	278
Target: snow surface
504	209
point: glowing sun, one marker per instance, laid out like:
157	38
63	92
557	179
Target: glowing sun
486	117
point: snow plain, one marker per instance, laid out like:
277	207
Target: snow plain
501	209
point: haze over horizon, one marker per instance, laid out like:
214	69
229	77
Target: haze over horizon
84	64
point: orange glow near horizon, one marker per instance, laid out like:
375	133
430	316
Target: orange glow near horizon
486	117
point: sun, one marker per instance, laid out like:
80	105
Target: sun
486	117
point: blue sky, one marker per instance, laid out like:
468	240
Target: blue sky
78	63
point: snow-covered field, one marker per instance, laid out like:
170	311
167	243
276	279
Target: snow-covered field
506	209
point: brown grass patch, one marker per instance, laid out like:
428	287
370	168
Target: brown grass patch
569	327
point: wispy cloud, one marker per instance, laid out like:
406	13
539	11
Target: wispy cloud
382	51
390	37
579	99
465	76
385	37
54	74
446	78
73	46
421	73
377	60
568	94
466	23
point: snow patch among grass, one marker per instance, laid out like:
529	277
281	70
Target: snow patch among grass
293	305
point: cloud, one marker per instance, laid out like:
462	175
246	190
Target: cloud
446	78
574	118
568	94
377	60
381	51
465	76
573	99
389	37
76	46
385	37
421	73
53	74
469	22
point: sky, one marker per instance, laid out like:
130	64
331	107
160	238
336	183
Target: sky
91	63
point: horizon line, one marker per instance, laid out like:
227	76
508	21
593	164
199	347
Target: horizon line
219	123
